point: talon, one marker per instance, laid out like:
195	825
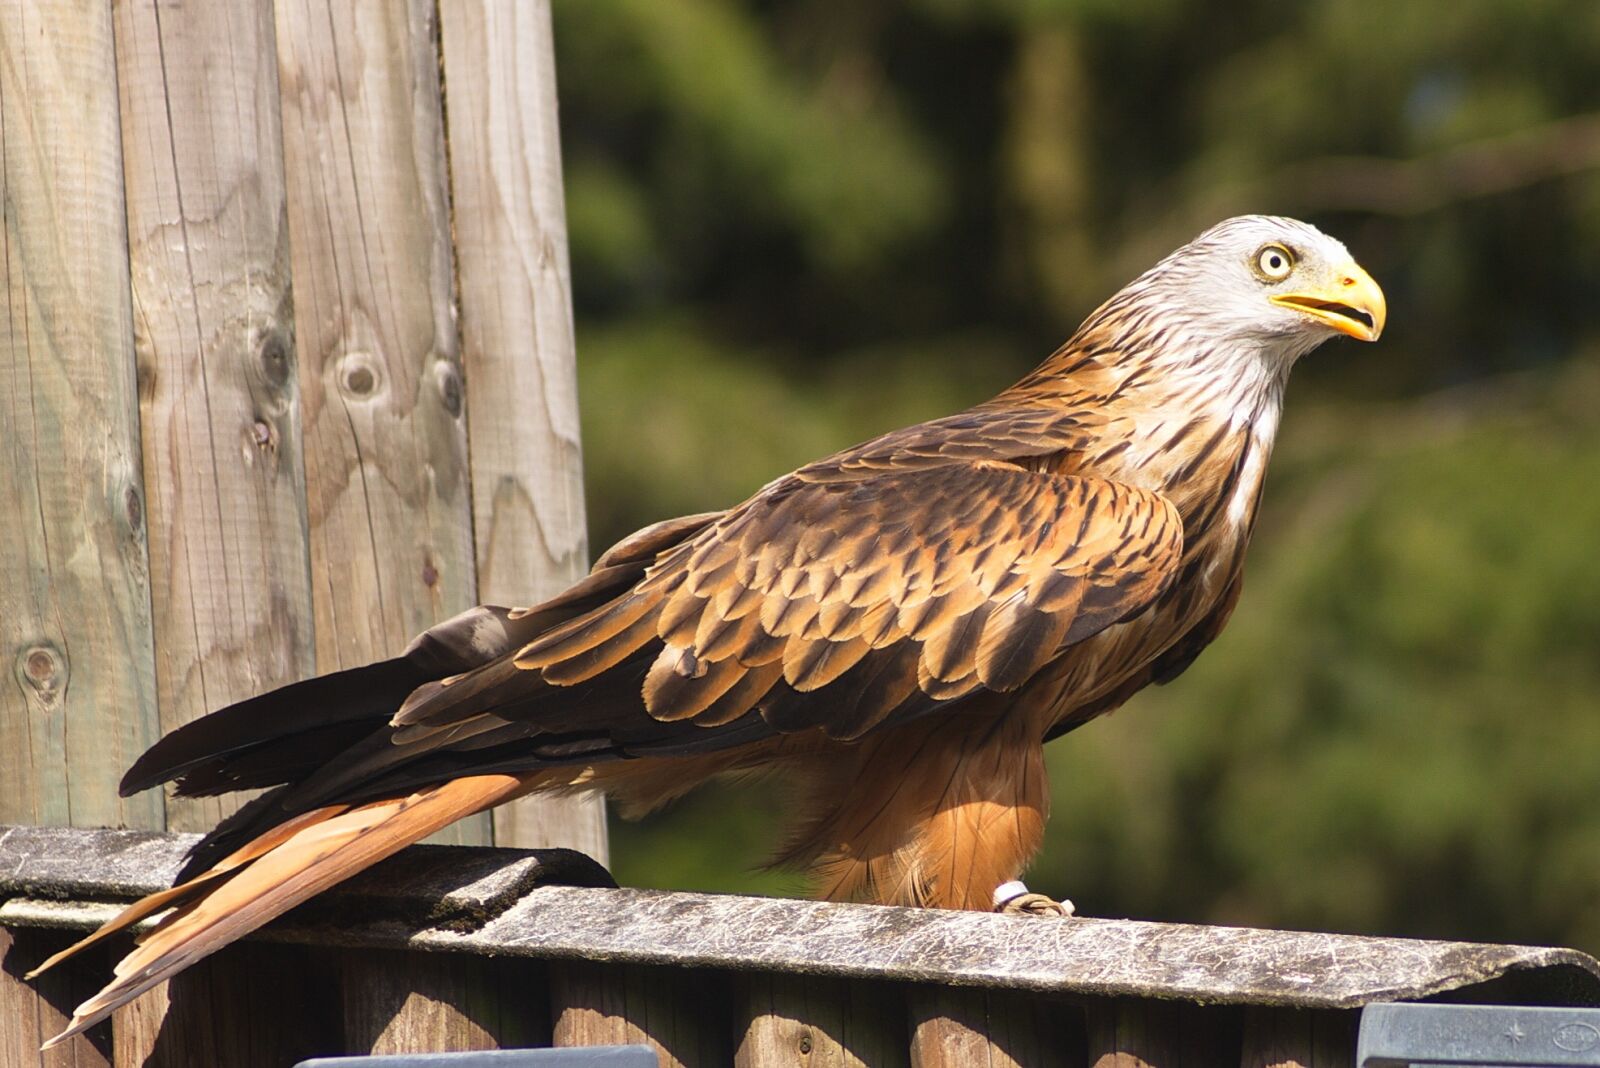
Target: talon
1015	899
1036	905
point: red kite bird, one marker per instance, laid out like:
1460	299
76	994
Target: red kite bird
900	626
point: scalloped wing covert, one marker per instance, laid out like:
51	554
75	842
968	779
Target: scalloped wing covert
839	604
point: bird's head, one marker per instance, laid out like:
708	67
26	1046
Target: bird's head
1278	286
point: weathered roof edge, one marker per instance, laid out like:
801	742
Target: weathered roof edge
503	902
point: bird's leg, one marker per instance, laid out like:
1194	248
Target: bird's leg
987	822
1014	898
969	820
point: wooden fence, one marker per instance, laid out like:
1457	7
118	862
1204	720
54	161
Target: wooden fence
240	355
502	946
287	371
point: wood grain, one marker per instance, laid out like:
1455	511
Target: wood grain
251	1006
74	589
955	1026
517	338
819	1023
441	1002
680	1013
1298	1038
1130	1033
33	1010
214	338
389	505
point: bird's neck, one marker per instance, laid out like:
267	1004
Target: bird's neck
1201	441
1192	422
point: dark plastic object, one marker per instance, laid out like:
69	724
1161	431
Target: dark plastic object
573	1057
1477	1036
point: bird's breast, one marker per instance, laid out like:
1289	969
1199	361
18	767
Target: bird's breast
1212	470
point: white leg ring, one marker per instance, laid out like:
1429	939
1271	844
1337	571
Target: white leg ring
1016	899
1008	892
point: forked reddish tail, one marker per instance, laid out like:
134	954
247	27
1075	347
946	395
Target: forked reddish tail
271	875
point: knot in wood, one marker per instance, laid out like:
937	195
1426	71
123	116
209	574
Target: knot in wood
358	376
448	380
273	352
135	509
43	669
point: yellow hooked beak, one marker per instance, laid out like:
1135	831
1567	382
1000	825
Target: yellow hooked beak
1350	302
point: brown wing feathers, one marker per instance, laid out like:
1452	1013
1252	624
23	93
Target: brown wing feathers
288	733
984	584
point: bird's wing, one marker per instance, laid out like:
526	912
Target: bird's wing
285	734
843	602
992	431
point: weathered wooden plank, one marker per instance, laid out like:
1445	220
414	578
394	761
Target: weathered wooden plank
818	1023
517	338
214	336
250	1006
681	1014
502	909
1141	1033
1083	956
74	594
422	1003
952	1027
75	629
31	1012
451	887
380	372
1298	1038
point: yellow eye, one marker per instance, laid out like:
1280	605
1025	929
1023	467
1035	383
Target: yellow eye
1274	262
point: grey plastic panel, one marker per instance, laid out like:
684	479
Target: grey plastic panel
1477	1036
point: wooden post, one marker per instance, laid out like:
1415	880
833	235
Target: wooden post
952	1026
74	584
81	701
679	1013
380	370
214	338
517	338
819	1023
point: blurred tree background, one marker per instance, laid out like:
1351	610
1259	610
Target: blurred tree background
798	223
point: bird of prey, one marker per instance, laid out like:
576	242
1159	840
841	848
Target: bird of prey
900	626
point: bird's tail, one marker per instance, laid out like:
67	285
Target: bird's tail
270	875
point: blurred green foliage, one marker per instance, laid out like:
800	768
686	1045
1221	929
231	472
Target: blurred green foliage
797	223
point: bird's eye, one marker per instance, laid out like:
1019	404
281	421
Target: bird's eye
1274	262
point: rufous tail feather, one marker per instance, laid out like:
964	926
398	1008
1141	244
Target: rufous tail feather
271	875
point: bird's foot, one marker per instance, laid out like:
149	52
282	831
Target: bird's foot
1015	899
